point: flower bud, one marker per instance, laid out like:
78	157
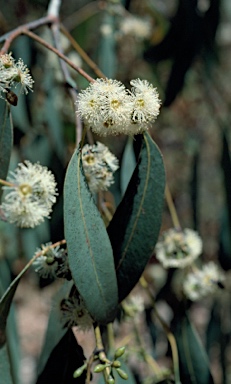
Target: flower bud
119	352
122	374
100	367
110	380
116	364
79	371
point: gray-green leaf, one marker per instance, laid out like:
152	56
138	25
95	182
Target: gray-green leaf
194	364
135	226
89	249
6	138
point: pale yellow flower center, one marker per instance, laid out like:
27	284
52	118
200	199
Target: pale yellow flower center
90	159
115	104
92	103
140	103
25	189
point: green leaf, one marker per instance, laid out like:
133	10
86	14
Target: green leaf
194	364
55	330
65	358
128	165
5	304
9	349
5	370
89	249
6	138
135	226
61	355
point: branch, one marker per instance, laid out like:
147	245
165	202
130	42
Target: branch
56	51
7	37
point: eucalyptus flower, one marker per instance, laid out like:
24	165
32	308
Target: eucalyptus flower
30	195
99	164
202	282
52	262
13	73
108	108
178	248
74	313
137	27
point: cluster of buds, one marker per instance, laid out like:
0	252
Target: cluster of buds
107	366
13	73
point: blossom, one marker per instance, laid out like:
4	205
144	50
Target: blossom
74	313
146	103
99	164
30	195
52	262
23	77
202	282
135	26
178	248
107	107
13	73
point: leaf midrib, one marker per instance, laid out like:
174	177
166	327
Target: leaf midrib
140	206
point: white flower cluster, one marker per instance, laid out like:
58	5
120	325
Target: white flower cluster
134	26
30	195
52	262
99	164
13	73
178	248
202	282
108	108
74	313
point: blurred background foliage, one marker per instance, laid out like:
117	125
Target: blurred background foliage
187	57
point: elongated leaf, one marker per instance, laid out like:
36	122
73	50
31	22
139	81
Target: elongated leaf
89	249
194	364
5	304
128	165
6	138
55	330
61	355
9	348
65	358
5	370
135	226
225	233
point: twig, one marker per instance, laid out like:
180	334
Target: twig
10	36
72	89
54	7
82	53
172	208
56	51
